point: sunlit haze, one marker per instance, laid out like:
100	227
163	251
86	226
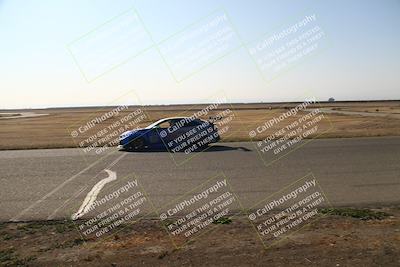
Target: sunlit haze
41	52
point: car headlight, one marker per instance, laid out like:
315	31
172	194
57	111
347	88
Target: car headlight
123	136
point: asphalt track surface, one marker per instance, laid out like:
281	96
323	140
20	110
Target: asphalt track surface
53	183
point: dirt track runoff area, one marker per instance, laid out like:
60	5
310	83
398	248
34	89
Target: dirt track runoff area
344	237
55	128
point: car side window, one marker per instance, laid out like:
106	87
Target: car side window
192	123
164	124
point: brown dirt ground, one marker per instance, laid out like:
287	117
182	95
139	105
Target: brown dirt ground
54	130
331	241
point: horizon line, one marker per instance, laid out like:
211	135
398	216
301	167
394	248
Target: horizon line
204	103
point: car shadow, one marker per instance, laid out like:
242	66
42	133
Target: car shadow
212	148
216	148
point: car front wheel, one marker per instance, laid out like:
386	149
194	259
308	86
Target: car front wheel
136	144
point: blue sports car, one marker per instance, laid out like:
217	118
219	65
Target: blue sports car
178	134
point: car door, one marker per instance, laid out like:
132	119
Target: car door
192	131
176	135
161	135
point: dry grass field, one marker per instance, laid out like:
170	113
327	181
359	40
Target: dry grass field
54	130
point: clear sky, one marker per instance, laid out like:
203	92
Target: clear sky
358	57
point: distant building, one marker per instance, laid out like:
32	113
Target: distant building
331	99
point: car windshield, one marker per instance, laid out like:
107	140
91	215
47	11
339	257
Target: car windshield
165	123
154	124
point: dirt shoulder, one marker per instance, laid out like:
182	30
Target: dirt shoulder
344	237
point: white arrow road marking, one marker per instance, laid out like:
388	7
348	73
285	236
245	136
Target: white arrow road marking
54	213
92	195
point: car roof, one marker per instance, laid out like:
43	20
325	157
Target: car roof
167	119
173	118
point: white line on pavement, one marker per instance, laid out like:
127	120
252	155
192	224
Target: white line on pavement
53	214
92	195
18	216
